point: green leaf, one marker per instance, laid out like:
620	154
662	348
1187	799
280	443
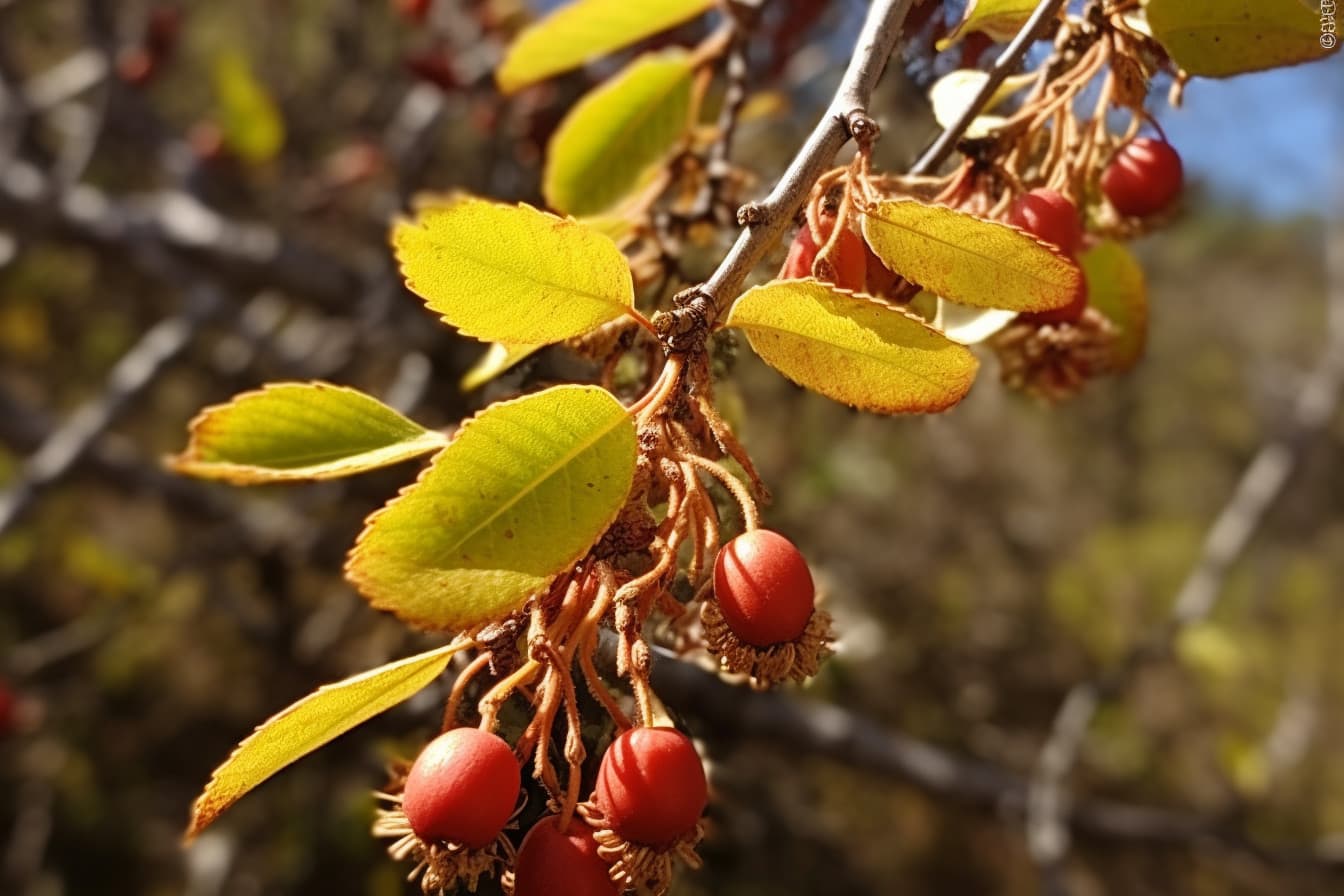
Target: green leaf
497	359
616	132
584	30
968	259
294	431
249	118
1116	287
317	719
1218	38
1000	19
523	491
504	273
852	349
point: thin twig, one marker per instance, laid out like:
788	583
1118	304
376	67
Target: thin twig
764	222
131	376
1007	63
1262	483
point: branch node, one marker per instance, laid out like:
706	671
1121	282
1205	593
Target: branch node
752	214
862	128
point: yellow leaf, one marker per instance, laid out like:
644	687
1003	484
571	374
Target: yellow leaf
970	260
1000	19
317	719
512	274
584	30
523	491
294	431
852	349
618	130
249	118
497	359
1218	38
1116	287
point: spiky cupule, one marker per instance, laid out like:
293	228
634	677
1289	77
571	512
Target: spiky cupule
765	667
636	866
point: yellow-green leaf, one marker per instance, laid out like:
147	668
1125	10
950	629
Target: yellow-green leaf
616	132
249	118
584	30
523	491
317	719
294	431
1218	38
968	259
852	349
1116	287
1000	19
497	359
505	273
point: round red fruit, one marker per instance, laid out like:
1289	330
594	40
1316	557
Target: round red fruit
462	788
848	260
1143	178
552	862
1068	314
764	588
8	710
1048	216
651	786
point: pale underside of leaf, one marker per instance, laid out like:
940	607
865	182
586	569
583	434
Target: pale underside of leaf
523	491
512	274
317	719
498	359
851	349
969	260
616	132
1220	38
298	431
584	30
970	326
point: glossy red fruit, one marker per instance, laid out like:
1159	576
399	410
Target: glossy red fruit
555	863
1048	216
651	786
849	259
1143	178
764	588
413	10
1070	313
462	788
8	710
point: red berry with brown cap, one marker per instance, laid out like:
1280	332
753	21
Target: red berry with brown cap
651	786
462	788
1143	178
764	588
1048	216
552	862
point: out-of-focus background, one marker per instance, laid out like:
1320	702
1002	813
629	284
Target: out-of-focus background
194	200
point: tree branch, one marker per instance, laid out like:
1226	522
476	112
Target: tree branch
1261	484
820	729
1007	63
764	222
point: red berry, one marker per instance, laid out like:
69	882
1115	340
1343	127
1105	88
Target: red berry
552	862
651	786
849	258
1143	178
764	588
1048	216
413	10
8	710
434	67
462	788
1065	315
